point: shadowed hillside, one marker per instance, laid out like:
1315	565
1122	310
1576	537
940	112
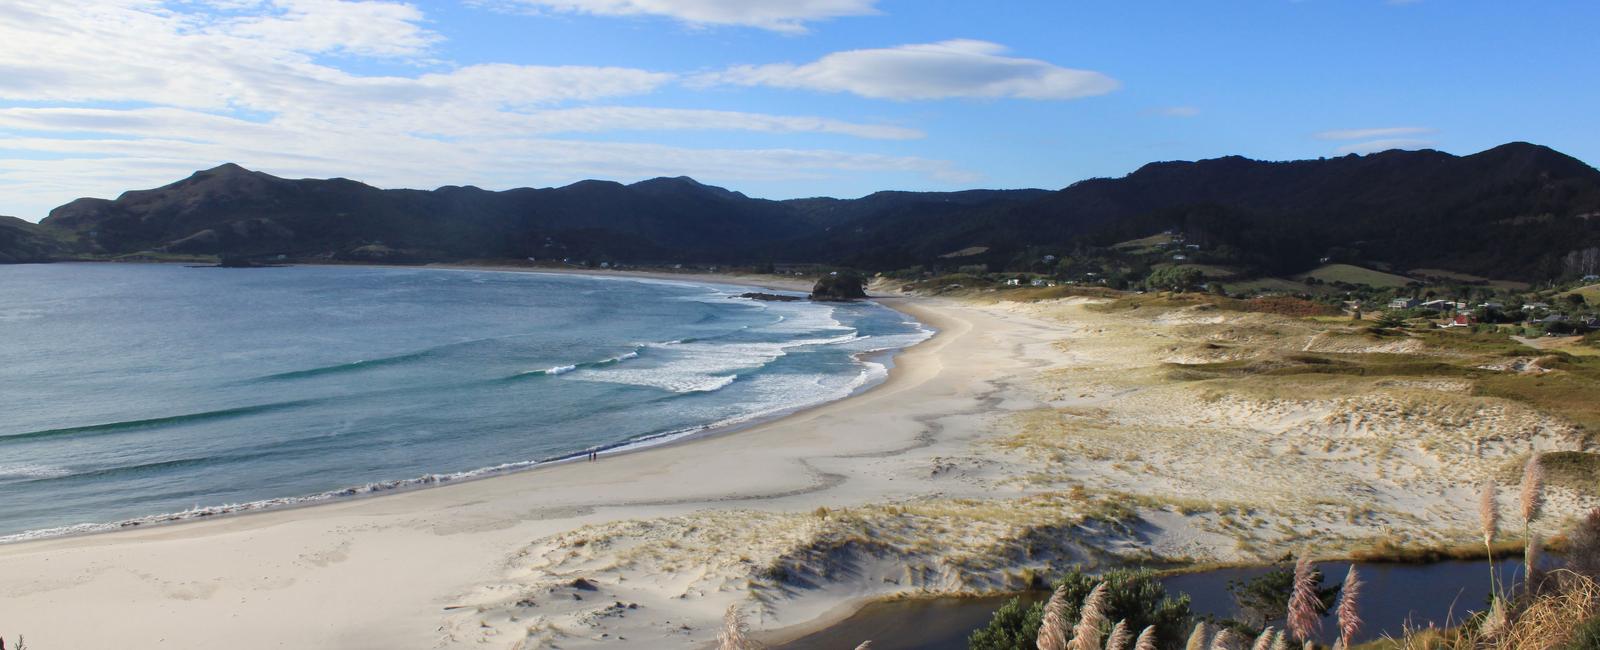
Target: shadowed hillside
1512	211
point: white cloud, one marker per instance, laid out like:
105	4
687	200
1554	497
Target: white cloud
778	15
180	124
1374	146
135	93
955	68
1365	134
365	28
1176	111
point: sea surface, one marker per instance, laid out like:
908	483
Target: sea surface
133	394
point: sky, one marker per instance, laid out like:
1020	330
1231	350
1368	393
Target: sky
774	98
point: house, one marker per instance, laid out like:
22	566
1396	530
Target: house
1491	305
1536	306
1460	320
1180	257
1437	305
1403	303
1040	282
1591	278
1013	282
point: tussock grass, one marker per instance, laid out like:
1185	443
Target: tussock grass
1570	392
1578	471
1397	550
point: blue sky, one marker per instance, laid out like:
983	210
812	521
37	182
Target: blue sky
776	98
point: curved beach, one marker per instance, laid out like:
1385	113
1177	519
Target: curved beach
399	570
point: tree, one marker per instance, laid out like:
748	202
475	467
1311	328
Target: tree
1175	278
1264	599
1136	596
1391	320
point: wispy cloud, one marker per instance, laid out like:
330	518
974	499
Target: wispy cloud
1374	146
1363	134
128	93
788	16
948	69
1175	111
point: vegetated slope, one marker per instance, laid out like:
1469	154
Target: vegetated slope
21	241
1510	212
233	210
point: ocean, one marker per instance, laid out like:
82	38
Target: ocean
135	394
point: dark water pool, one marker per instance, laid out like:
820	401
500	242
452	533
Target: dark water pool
1393	596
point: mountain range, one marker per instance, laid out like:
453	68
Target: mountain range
1505	212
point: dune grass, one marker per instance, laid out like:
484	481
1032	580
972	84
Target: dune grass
1578	471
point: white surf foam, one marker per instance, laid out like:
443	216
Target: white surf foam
30	471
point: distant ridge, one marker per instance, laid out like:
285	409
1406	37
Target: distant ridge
1506	212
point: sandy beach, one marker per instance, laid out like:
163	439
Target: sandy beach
427	568
1023	436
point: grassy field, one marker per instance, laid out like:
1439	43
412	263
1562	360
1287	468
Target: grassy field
1358	275
1442	274
966	252
1590	293
1268	284
1145	244
1210	271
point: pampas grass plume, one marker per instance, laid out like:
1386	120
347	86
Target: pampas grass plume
1147	639
1532	488
733	631
1350	608
1121	636
1198	638
1489	512
1086	636
1264	641
1053	629
1304	617
1225	640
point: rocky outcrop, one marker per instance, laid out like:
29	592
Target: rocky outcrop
840	286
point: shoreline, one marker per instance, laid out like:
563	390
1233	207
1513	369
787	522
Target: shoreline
156	573
438	480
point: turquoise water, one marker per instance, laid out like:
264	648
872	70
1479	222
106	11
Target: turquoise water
133	391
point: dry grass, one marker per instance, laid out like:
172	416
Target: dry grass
1548	621
1578	471
1358	275
1401	550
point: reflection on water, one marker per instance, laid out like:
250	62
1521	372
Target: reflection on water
1393	597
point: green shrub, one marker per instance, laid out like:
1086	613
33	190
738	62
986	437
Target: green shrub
1136	596
1586	637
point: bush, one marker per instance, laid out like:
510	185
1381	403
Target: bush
1135	596
1174	278
1265	598
1586	637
